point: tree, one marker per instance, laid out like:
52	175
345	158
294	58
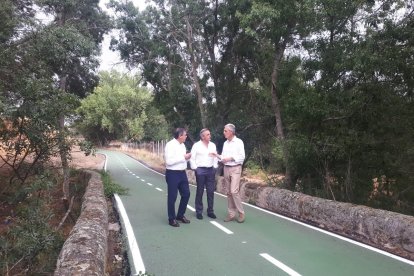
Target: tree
27	125
294	20
35	74
339	75
358	69
147	40
78	28
118	110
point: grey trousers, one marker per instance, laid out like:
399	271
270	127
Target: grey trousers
205	178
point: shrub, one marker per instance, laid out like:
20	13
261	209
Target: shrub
110	187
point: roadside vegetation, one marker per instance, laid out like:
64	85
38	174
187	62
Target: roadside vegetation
323	103
110	187
321	93
33	222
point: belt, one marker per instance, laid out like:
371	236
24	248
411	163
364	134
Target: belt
175	170
232	165
204	167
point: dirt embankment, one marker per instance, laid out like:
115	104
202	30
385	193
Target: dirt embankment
115	252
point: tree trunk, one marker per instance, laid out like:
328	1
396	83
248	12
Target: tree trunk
194	73
61	20
348	181
328	182
279	52
63	148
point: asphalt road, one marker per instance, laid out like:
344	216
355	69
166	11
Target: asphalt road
265	244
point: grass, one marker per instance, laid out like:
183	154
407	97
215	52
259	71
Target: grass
111	187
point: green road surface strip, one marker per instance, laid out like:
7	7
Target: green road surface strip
265	244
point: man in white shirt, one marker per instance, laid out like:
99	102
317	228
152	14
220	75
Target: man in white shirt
176	162
232	157
204	162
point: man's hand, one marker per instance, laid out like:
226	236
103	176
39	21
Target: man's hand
226	159
187	156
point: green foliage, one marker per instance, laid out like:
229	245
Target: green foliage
88	147
344	84
156	126
158	39
44	69
31	243
110	187
118	109
252	168
32	192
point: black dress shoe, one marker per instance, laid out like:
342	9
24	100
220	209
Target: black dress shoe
183	219
173	223
199	216
212	215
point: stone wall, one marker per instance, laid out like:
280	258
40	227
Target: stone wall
84	252
385	230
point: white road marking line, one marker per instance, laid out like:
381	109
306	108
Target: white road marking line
133	173
143	180
280	265
191	208
137	176
221	227
158	189
146	166
335	235
133	245
149	183
311	227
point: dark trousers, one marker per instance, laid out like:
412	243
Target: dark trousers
205	178
177	182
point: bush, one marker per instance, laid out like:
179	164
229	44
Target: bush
31	244
110	187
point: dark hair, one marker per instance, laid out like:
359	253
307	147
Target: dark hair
178	132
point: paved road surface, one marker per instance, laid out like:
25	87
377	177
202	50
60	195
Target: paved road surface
266	244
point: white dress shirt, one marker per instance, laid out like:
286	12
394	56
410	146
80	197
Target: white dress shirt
235	150
200	155
174	155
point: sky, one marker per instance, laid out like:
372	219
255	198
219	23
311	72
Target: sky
109	59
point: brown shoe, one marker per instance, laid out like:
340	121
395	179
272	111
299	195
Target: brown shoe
241	218
229	218
173	223
183	219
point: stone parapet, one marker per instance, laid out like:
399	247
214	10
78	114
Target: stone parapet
389	231
84	252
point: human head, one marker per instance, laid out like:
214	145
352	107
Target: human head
180	134
229	131
205	135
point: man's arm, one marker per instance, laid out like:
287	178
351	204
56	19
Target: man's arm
193	164
173	155
215	158
240	154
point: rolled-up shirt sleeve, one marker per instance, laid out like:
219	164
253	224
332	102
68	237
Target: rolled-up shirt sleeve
193	164
235	150
215	160
239	155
